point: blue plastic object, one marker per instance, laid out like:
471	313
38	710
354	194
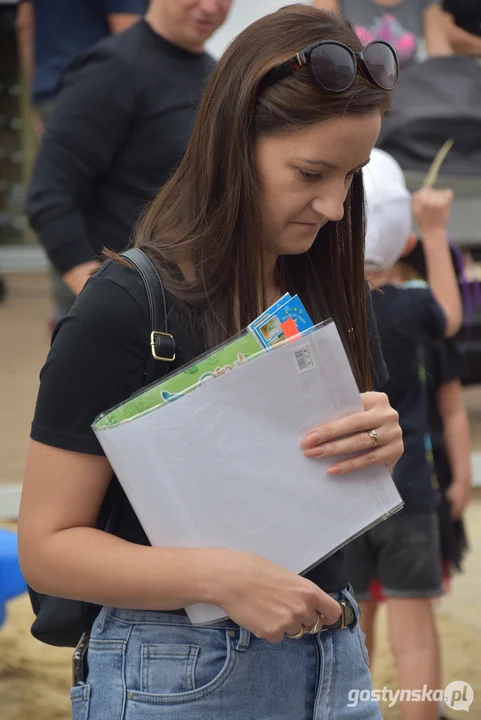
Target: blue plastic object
11	578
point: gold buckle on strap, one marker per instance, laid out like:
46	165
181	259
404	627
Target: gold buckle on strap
343	618
153	335
342	622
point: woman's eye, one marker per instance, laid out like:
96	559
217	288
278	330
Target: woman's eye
308	176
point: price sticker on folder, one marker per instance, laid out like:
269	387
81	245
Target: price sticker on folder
303	359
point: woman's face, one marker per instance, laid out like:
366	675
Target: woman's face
305	176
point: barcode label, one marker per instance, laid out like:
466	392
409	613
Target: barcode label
303	359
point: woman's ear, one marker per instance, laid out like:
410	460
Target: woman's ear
411	243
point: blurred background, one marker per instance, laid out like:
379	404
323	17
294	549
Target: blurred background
34	679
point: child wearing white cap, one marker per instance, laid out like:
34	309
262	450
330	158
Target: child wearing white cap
403	553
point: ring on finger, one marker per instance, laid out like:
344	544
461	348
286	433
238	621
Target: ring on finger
315	628
298	635
373	434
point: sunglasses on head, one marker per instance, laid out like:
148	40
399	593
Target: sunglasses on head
333	65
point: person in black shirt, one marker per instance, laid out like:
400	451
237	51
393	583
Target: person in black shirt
120	126
462	26
267	199
48	39
403	554
449	430
466	14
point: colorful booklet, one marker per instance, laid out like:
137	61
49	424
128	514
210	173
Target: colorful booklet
211	365
284	320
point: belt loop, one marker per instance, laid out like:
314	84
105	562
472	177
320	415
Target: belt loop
100	624
244	640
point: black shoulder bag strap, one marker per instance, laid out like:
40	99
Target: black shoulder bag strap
162	343
63	622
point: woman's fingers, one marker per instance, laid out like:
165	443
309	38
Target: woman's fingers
308	622
337	428
352	435
328	608
318	609
377	413
378	456
353	444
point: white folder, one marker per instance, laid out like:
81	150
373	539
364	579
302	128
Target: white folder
222	466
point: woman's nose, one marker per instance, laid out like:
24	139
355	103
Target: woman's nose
330	206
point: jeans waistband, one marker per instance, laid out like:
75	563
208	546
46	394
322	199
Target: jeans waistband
157	617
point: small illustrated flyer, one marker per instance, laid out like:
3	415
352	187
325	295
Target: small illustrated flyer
284	320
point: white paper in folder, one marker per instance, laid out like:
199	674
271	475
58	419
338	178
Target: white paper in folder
222	466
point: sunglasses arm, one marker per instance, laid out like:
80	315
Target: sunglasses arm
283	70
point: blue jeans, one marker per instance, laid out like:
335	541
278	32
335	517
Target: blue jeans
157	666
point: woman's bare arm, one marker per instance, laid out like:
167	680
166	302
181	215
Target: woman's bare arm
62	554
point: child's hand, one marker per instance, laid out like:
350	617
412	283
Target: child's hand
431	209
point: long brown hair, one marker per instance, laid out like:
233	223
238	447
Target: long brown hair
209	213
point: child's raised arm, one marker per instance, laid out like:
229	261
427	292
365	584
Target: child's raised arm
431	209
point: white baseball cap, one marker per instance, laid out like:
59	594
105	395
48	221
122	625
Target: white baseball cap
388	210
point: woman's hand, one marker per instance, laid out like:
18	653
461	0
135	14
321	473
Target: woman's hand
351	434
268	600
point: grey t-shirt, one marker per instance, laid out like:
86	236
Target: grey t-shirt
401	25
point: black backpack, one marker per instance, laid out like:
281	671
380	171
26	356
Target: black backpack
62	622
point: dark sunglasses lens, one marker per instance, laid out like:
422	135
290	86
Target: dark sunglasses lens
381	61
333	66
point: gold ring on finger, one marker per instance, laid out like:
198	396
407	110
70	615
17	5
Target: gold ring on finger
315	628
298	635
373	434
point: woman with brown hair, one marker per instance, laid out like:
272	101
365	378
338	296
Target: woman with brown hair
268	199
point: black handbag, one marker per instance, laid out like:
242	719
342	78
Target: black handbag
62	622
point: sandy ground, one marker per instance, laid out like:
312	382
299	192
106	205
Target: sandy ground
34	679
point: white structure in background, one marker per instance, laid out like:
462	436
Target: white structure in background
243	13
